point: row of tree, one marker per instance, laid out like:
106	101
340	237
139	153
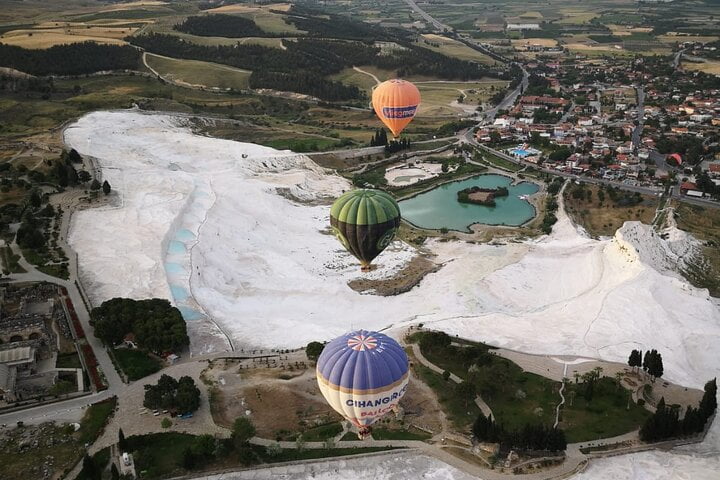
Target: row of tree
320	24
304	63
395	146
72	59
651	363
666	423
157	325
530	437
379	138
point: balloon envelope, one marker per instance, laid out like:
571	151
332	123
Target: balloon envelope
395	102
362	375
365	222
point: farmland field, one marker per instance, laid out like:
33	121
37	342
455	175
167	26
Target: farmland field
453	48
195	72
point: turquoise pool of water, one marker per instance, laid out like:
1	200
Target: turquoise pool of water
176	248
184	235
189	314
439	208
171	267
180	294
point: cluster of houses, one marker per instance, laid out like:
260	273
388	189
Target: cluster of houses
597	121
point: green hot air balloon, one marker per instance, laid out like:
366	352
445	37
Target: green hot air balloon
365	222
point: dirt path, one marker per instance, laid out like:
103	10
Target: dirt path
377	80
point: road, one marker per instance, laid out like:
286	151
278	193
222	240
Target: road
677	59
637	131
438	25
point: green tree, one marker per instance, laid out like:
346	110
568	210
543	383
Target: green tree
106	187
313	350
165	422
158	326
466	391
73	156
35	199
187	396
188	459
242	431
95	185
114	474
122	443
84	176
89	469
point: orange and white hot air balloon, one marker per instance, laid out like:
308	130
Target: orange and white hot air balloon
396	102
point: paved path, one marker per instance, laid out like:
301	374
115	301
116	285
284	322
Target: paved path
484	407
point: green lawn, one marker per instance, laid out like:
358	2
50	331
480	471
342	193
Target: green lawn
322	432
290	455
385	434
135	363
349	437
498	162
160	455
313	144
68	360
605	416
95	419
515	397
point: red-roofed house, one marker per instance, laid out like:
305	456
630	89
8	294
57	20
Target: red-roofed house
685	186
714	170
676	157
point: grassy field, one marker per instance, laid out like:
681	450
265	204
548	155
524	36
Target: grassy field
607	415
518	398
271	22
321	432
710	66
453	48
136	364
68	360
194	72
48	38
498	162
350	76
603	218
160	455
96	416
437	96
379	433
545	42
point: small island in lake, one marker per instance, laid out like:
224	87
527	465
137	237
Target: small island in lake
481	196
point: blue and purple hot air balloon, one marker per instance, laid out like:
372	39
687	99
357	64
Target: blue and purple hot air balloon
363	375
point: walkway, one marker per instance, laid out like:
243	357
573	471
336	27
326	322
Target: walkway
484	407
